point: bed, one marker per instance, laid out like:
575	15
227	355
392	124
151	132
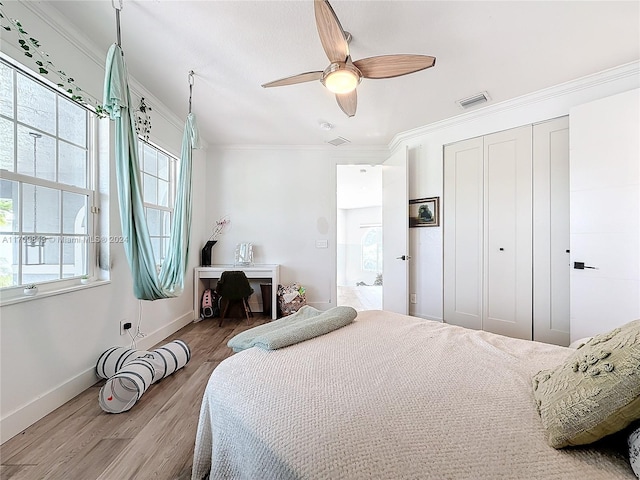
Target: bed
389	397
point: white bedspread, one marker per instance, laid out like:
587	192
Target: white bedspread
388	397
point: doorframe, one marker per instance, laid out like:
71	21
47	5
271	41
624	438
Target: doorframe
363	164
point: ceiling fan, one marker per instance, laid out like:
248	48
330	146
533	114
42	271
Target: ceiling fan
343	75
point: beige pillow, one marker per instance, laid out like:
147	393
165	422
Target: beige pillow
596	391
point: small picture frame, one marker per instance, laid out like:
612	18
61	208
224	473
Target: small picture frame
244	255
424	212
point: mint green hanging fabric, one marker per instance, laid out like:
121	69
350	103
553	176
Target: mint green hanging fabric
147	283
175	264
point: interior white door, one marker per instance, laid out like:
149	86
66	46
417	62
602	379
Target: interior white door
605	213
395	233
462	224
551	231
507	242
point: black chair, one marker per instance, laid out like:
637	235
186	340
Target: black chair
234	289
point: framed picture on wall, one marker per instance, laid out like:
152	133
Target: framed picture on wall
424	212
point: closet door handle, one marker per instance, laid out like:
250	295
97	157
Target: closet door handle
582	266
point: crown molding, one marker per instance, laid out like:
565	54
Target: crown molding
347	149
610	75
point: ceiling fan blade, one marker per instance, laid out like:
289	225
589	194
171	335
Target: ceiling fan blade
300	78
331	33
388	66
348	102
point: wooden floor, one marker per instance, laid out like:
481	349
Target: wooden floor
153	440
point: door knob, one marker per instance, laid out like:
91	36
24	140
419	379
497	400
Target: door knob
403	257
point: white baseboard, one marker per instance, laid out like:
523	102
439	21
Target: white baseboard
16	421
21	418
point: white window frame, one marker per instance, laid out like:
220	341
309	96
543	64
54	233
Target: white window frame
171	191
14	293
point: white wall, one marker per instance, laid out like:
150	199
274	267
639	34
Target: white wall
605	213
49	345
426	160
282	200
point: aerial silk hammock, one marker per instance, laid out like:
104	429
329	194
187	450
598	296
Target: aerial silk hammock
148	283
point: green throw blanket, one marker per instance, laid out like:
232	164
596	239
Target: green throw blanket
306	323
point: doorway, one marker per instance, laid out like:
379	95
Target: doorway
359	236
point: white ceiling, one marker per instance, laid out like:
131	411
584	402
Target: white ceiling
507	48
359	186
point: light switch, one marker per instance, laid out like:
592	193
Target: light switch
322	244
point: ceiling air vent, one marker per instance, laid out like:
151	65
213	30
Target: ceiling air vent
336	142
474	100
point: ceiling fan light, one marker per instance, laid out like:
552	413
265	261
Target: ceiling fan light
341	81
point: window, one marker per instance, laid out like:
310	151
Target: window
158	194
46	184
372	249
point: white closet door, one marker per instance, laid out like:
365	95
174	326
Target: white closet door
551	258
507	233
462	224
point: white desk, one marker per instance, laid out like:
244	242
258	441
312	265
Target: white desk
203	275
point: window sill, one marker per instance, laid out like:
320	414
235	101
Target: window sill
50	293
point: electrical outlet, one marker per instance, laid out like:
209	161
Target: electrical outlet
412	298
124	326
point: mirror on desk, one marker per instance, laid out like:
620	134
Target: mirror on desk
244	254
